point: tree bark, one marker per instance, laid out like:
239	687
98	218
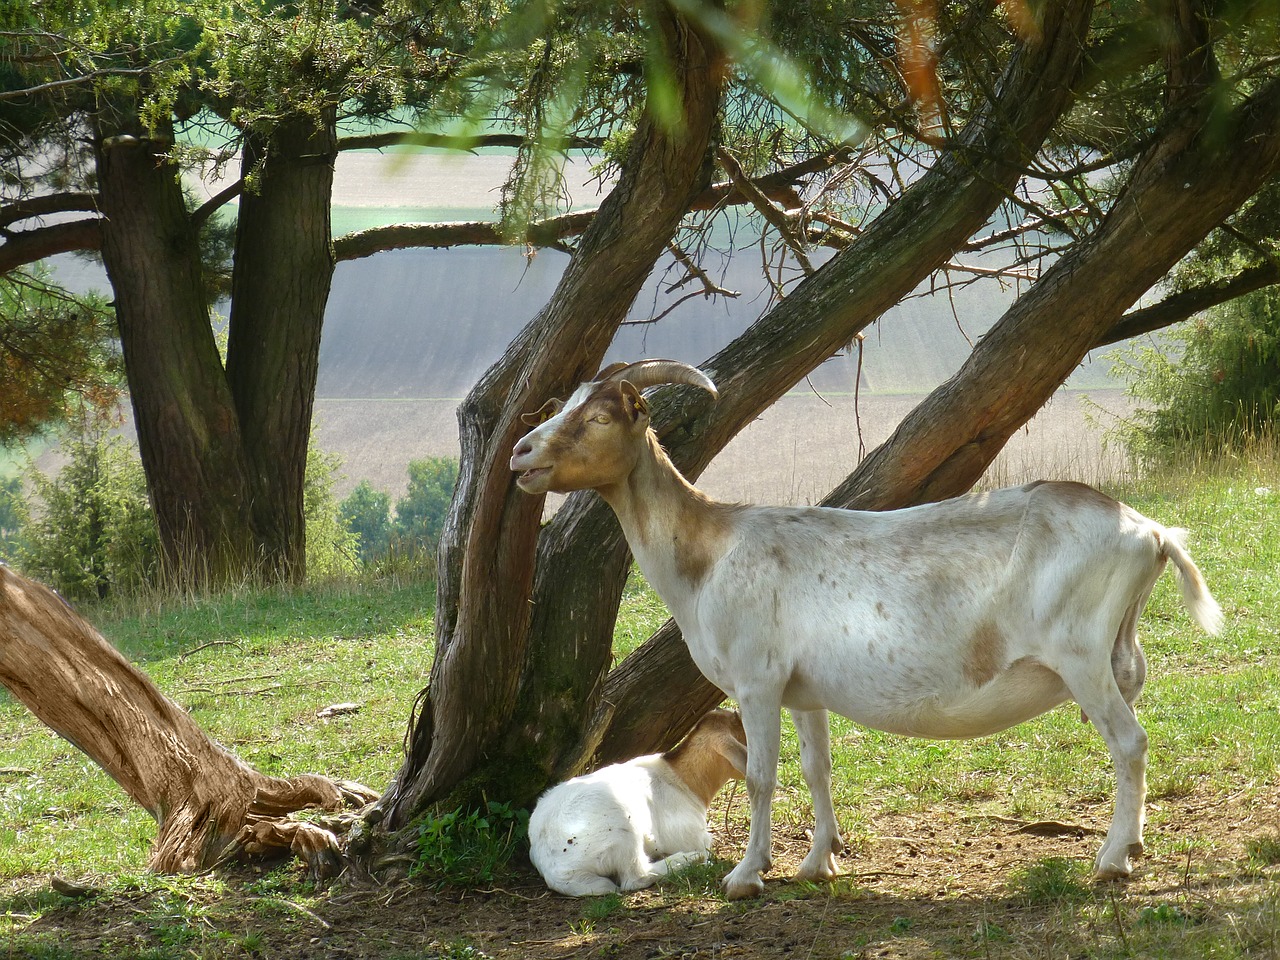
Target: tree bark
943	446
487	550
188	432
202	797
280	285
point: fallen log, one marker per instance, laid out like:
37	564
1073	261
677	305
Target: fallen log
204	799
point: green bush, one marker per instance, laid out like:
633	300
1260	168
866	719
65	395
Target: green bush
332	549
92	531
1221	394
420	513
367	514
412	534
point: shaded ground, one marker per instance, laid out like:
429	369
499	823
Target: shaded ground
945	881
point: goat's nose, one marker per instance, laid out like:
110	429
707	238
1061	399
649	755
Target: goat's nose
523	448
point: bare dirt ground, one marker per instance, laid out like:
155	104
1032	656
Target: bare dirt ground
939	882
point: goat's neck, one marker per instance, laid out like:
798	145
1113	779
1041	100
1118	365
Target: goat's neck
675	531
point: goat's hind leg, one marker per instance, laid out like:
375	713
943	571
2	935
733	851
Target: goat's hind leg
1100	698
814	731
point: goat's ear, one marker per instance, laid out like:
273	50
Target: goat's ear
736	753
633	403
542	414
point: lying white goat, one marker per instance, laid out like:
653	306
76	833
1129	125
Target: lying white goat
949	620
627	825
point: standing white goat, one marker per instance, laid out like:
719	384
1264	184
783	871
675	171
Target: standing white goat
627	825
949	620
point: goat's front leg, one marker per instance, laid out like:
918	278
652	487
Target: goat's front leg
814	731
762	721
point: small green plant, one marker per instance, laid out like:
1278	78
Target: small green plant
698	879
93	531
457	950
601	908
468	847
332	548
1052	880
1164	914
1264	851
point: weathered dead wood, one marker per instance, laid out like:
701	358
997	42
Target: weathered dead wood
201	795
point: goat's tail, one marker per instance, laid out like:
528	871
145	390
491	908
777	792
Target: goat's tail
1195	594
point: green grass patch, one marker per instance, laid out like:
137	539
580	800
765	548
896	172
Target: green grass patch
1053	880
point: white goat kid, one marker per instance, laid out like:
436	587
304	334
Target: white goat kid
627	825
949	620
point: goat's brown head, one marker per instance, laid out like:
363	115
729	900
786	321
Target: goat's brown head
592	440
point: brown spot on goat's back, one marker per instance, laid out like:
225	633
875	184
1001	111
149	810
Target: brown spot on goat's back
984	657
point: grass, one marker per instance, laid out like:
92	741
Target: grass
254	667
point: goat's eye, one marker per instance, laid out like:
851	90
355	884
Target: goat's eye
600	418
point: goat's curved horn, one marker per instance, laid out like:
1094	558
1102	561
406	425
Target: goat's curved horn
651	373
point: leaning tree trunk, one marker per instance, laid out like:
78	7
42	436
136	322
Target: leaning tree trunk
202	797
280	285
943	446
582	555
487	550
188	433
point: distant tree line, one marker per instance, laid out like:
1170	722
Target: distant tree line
90	531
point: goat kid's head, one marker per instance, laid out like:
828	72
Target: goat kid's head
592	440
714	752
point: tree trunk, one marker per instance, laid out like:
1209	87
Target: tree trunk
487	550
202	797
943	446
280	285
188	432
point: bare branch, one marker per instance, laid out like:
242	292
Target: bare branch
46	205
1030	225
88	77
414	138
28	246
776	217
777	186
709	287
1187	303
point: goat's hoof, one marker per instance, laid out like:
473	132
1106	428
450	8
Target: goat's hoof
744	887
1111	872
1116	867
818	868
